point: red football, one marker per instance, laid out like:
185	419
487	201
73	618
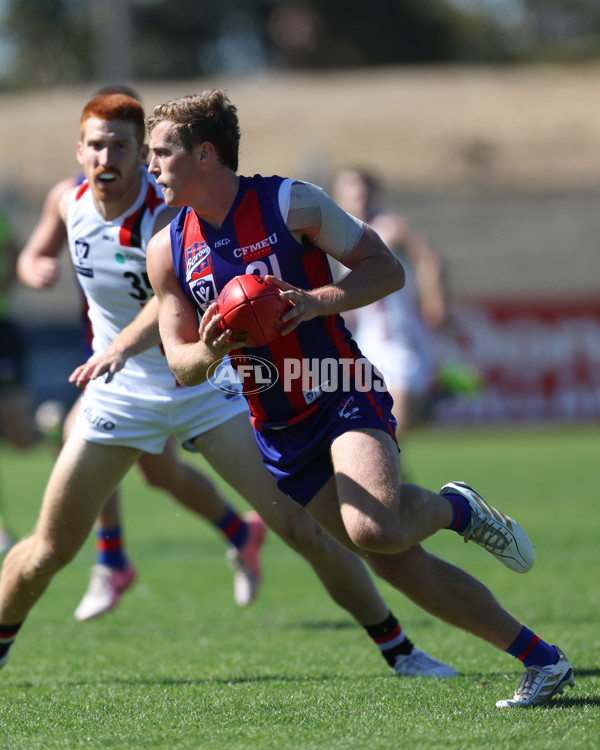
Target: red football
251	309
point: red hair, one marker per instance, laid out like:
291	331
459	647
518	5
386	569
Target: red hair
116	107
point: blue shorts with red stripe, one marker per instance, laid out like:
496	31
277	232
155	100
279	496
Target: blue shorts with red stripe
298	456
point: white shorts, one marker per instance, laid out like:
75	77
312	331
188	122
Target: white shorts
402	369
147	420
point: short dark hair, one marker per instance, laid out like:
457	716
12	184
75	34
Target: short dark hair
209	116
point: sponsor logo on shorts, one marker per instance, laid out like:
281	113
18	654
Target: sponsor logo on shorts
347	408
96	420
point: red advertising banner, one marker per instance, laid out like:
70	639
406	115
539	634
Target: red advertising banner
537	361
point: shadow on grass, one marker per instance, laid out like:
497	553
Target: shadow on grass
340	625
563	702
559	702
197	682
586	672
322	625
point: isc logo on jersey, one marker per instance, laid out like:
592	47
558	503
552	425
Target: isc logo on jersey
82	258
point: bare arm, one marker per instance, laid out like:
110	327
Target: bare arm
375	271
190	348
396	233
428	273
37	264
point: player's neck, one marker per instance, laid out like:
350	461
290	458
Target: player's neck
214	204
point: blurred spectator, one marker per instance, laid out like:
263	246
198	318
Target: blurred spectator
16	416
397	333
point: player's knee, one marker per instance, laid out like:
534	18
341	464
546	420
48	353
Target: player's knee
154	476
47	558
302	534
371	536
394	569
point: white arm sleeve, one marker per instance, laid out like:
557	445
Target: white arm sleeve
305	205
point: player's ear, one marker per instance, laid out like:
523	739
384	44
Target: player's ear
144	151
80	152
205	151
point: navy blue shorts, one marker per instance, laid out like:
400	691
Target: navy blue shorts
298	456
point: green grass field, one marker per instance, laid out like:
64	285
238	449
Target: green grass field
178	665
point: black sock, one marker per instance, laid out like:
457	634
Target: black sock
390	639
8	633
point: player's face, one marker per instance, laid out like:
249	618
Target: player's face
173	168
111	158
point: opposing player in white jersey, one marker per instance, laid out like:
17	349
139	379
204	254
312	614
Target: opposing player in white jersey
138	405
113	573
396	332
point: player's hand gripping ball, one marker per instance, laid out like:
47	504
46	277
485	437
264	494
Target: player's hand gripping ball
251	309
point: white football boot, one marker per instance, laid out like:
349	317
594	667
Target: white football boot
492	530
104	590
420	664
245	561
539	684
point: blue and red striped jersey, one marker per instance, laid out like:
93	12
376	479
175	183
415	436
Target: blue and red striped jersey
255	239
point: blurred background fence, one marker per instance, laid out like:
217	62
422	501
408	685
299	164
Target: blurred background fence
482	120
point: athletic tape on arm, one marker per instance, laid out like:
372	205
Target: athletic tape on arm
307	205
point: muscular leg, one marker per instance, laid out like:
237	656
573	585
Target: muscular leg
343	574
184	482
441	589
82	478
113	574
379	513
110	515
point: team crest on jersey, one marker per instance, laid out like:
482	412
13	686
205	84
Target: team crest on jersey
82	258
204	290
196	259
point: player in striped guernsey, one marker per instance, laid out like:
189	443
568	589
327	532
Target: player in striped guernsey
325	433
139	404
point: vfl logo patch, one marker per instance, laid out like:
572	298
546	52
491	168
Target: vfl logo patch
204	290
82	258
